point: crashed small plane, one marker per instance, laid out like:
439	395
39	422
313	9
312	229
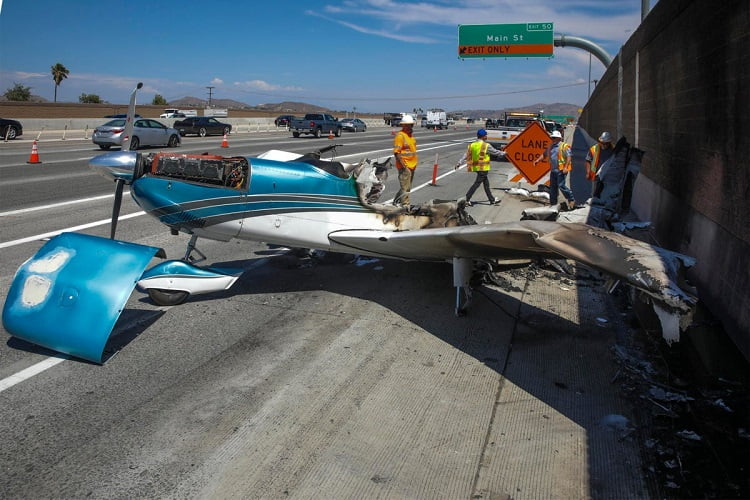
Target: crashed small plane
69	295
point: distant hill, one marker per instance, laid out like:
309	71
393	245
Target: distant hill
194	102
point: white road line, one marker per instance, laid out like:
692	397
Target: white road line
58	205
29	372
67	230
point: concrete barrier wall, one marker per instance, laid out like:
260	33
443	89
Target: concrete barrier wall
53	128
682	83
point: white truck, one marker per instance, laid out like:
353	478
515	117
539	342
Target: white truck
178	113
513	124
436	118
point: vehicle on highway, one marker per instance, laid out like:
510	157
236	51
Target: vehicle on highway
178	113
202	126
10	128
283	120
146	132
316	124
120	115
353	125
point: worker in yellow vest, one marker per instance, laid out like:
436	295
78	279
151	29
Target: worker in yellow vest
477	159
560	158
598	154
405	153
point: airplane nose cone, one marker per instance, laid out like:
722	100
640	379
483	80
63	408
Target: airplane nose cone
116	165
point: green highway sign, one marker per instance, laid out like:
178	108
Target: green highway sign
505	40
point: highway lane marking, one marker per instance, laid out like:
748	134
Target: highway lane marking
22	211
29	372
50	234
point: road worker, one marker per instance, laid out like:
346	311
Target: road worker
477	159
560	158
597	155
405	153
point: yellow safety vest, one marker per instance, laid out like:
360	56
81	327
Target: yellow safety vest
591	172
562	160
406	147
478	159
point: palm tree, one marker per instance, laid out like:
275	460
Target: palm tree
59	73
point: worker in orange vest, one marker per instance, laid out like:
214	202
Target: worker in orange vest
560	158
597	155
405	153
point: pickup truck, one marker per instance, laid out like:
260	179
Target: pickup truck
513	124
316	124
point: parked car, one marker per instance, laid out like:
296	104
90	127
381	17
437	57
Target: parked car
353	124
172	115
283	120
202	126
10	128
121	115
146	132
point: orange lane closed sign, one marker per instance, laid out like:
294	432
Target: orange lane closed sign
525	148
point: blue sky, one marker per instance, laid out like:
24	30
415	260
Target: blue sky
372	55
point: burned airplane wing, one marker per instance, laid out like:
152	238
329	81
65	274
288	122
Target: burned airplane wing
651	269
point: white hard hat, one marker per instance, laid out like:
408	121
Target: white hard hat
556	133
605	137
407	120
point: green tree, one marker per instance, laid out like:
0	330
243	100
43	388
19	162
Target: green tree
18	93
159	100
89	99
59	73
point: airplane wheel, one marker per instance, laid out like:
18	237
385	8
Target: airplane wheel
167	297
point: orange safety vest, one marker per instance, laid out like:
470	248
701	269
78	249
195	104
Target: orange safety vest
564	163
478	159
591	172
406	147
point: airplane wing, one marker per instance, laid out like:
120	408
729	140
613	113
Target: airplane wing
649	268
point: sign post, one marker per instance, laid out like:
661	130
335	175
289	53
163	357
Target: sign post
525	148
505	40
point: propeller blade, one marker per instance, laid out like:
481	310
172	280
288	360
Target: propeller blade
119	184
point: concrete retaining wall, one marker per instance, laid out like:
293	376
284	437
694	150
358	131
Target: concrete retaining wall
682	83
53	128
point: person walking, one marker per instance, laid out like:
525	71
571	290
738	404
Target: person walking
560	158
477	159
405	153
598	154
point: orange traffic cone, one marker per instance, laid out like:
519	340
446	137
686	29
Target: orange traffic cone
330	134
34	158
224	143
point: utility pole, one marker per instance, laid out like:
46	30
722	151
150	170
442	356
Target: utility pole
210	89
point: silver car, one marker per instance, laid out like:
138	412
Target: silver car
353	124
146	132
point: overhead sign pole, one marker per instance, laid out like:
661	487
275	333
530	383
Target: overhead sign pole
505	40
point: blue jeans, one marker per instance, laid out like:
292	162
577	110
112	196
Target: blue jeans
557	181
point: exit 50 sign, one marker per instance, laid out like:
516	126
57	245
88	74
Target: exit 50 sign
505	40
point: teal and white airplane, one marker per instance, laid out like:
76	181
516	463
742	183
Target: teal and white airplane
69	295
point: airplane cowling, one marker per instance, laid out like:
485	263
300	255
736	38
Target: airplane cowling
69	295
